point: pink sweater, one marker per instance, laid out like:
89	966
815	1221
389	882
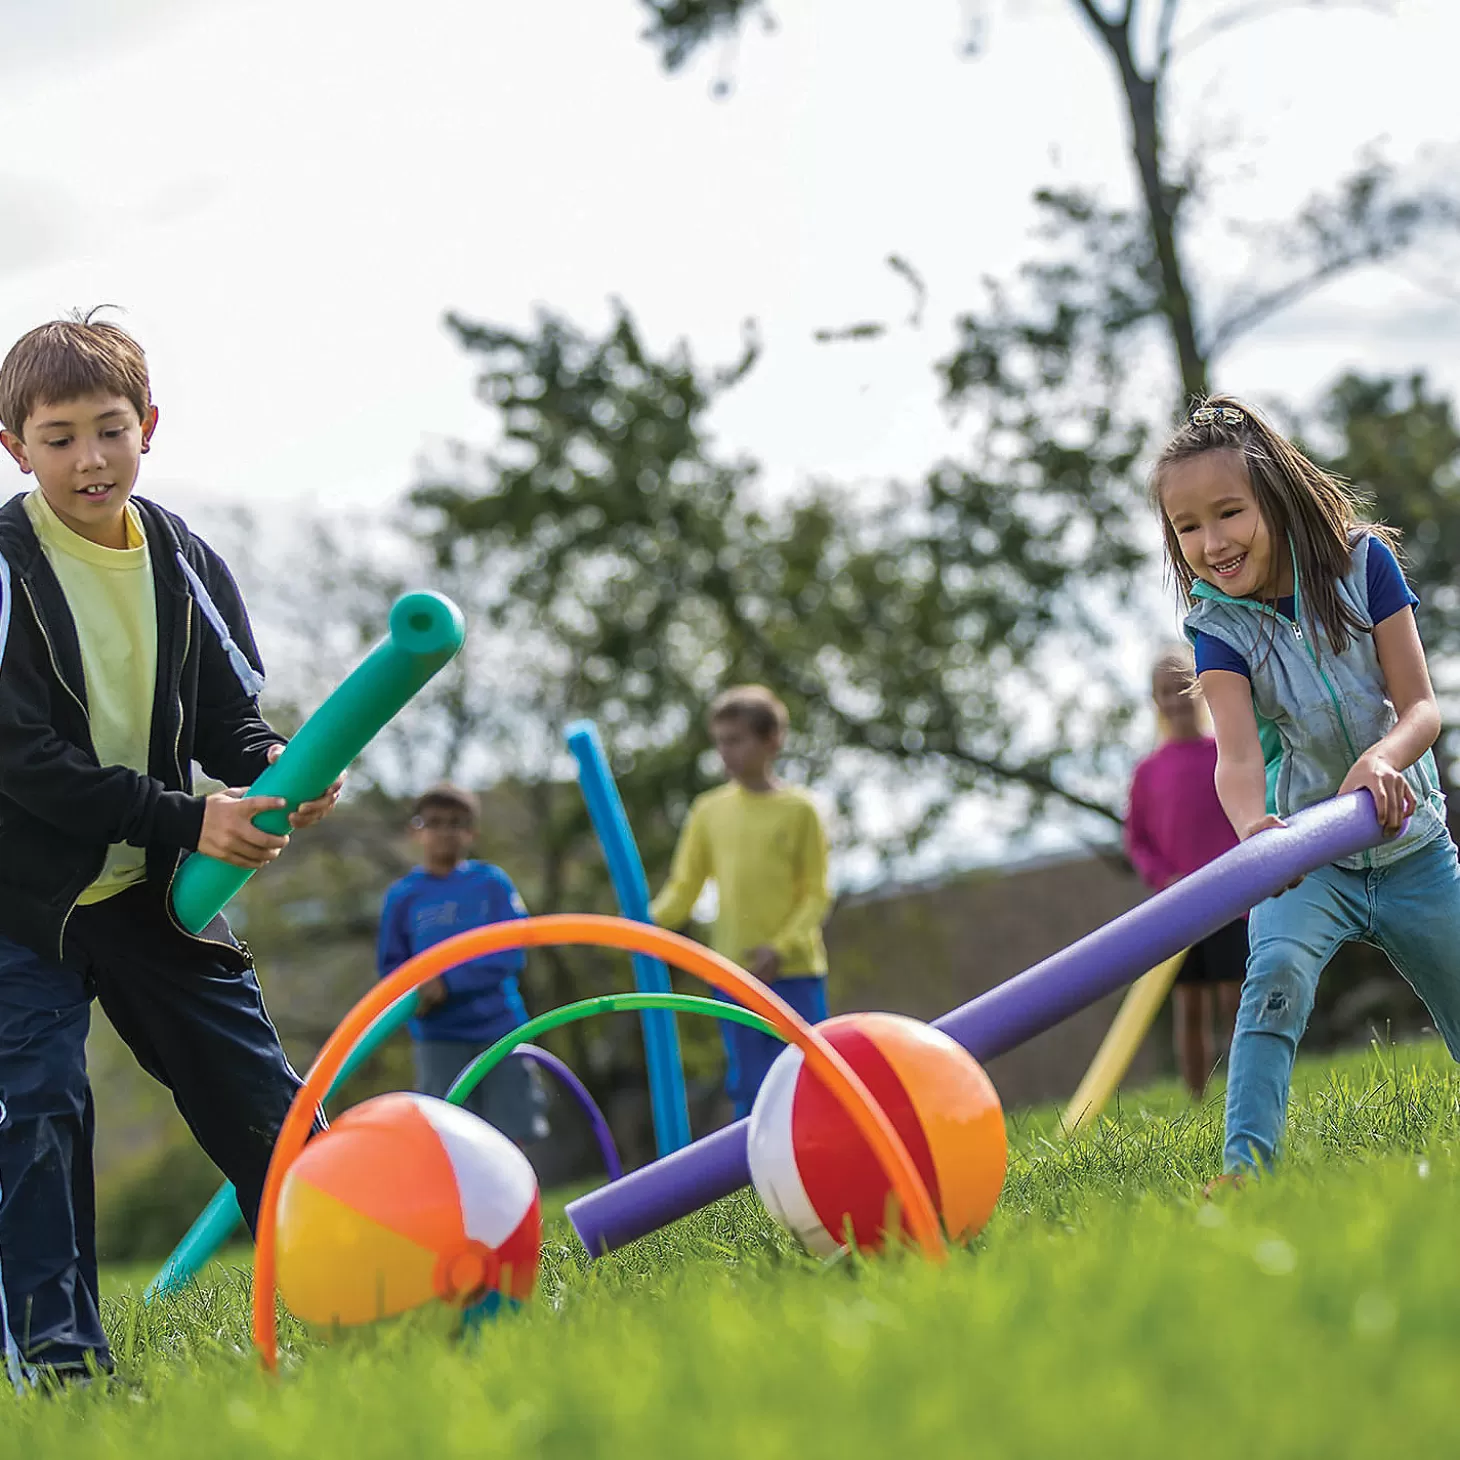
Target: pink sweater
1175	823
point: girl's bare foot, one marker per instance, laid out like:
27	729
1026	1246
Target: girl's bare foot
1227	1181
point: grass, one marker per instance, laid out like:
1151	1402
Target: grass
1107	1310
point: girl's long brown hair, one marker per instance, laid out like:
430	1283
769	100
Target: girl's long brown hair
1299	501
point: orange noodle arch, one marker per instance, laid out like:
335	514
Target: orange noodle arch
595	931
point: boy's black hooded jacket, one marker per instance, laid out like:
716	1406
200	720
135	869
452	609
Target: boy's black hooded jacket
59	808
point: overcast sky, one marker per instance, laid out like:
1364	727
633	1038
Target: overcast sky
286	195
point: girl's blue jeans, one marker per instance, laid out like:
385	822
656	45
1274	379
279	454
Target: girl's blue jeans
1410	909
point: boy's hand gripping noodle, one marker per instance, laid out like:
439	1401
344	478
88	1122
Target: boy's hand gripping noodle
425	632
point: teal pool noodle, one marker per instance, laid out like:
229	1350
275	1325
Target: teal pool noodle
425	632
218	1221
214	1226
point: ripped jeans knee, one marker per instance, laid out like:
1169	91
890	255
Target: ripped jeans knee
1277	1001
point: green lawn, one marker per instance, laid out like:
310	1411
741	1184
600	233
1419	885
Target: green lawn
1106	1311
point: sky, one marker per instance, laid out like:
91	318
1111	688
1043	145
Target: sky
286	196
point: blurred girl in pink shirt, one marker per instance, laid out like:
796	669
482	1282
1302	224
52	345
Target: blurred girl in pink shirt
1174	825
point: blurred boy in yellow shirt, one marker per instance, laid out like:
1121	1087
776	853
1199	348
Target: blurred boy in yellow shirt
764	844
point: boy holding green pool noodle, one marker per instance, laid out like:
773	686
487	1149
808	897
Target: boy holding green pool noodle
125	654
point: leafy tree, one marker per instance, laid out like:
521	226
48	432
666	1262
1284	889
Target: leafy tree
1398	438
925	637
1370	217
638	573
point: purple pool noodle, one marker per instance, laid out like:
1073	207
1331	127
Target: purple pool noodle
665	1190
546	1060
1111	957
1023	1006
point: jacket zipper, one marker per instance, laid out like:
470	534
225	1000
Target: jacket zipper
176	759
1348	740
1298	634
65	684
51	650
182	780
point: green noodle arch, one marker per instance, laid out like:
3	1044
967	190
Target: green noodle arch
477	1071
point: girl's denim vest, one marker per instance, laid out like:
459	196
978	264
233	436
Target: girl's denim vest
1318	711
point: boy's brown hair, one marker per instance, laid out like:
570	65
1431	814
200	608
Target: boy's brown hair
448	796
68	358
755	706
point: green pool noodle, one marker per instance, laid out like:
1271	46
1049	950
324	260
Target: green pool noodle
425	632
221	1218
469	1078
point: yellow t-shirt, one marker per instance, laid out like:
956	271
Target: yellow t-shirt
110	594
767	853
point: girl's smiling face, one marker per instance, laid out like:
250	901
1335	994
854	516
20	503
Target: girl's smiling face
1224	537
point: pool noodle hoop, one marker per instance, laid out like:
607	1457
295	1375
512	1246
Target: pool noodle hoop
600	932
546	1060
221	1217
662	1061
478	1069
513	1042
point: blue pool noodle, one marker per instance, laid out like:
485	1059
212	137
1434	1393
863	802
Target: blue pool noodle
631	887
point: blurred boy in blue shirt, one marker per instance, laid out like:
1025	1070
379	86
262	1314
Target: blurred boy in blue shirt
471	1006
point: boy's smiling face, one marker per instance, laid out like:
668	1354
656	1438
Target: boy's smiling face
85	454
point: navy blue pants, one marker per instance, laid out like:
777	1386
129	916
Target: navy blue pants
749	1054
191	1011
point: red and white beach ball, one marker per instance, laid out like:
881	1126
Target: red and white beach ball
814	1170
406	1200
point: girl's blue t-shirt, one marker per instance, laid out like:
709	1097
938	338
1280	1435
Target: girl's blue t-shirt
1388	595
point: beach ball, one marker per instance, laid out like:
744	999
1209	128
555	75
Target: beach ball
404	1201
814	1170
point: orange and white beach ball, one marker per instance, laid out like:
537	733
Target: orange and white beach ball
406	1200
814	1170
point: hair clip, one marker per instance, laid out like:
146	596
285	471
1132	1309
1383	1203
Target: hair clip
1210	415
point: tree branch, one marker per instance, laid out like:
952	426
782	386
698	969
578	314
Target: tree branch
680	27
1162	200
1260	9
1164	26
854	732
905	270
1107	28
1368	223
1033	777
1269	303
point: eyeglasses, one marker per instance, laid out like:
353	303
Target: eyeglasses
1210	415
439	823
